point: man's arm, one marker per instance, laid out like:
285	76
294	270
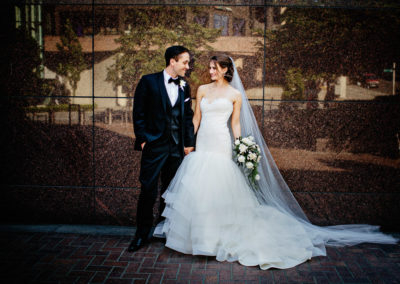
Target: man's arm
138	112
189	139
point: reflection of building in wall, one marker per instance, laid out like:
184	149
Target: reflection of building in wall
240	30
29	19
239	27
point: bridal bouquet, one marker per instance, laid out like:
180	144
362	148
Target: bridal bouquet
247	155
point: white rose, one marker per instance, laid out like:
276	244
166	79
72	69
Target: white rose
252	156
237	142
259	158
241	159
242	148
249	165
257	177
246	141
251	141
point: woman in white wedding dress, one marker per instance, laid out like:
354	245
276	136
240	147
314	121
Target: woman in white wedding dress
211	209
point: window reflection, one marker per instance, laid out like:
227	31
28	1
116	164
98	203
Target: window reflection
202	20
238	27
221	22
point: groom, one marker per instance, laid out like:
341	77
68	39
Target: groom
162	117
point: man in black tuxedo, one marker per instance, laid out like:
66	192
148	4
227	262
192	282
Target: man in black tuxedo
162	117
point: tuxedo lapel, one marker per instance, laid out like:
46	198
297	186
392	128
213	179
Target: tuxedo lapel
163	90
181	94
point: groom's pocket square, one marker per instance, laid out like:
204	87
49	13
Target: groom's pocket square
187	100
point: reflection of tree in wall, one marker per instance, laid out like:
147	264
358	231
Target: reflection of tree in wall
22	77
142	48
333	42
71	58
294	86
322	44
19	78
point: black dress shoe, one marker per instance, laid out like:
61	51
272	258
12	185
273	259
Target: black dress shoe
136	244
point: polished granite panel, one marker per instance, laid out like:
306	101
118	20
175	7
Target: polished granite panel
30	204
116	206
333	155
204	30
76	60
117	164
356	127
39	151
295	3
334	209
57	86
346	147
337	172
320	54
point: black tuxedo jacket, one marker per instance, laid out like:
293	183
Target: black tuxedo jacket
150	111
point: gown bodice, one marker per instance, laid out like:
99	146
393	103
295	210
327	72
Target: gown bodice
213	134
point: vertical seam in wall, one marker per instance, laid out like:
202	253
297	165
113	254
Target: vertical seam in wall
93	122
264	69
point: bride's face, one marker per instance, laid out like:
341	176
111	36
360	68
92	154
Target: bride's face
216	72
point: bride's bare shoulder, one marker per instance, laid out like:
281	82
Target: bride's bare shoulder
202	90
205	87
236	95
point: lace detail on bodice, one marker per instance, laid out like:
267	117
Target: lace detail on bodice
213	134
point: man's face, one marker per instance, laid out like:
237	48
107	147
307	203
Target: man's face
182	65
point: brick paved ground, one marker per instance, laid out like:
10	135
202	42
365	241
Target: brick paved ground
51	257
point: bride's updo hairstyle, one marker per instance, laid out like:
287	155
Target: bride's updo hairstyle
223	60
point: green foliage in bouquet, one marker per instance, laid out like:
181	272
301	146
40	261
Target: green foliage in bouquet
247	155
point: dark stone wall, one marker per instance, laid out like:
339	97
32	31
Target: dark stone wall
341	159
341	163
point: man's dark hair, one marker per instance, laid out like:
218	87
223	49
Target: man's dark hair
174	52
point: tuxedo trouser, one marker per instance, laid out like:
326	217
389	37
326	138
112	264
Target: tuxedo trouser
157	158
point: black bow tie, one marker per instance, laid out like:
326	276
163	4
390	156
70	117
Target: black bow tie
176	81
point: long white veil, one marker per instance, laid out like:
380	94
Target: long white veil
274	191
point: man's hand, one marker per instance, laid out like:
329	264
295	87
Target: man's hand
187	150
142	145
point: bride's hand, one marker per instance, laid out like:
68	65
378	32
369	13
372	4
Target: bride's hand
187	150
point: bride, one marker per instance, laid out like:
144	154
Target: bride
212	209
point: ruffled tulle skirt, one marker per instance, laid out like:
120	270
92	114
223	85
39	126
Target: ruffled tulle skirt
211	210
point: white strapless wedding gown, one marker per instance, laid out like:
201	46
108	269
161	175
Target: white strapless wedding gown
211	209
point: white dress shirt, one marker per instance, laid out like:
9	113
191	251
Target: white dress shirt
172	89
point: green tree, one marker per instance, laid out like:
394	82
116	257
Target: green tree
142	48
72	61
